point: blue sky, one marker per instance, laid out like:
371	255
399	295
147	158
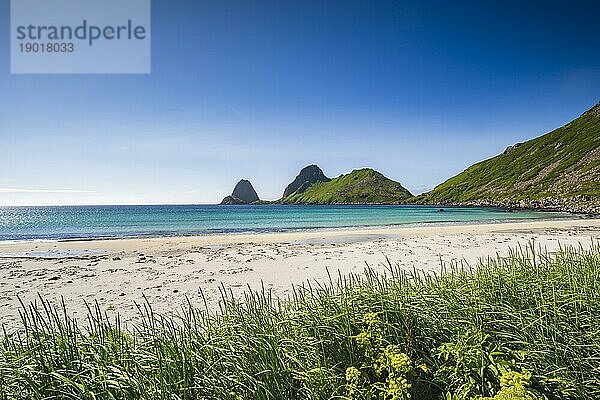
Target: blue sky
259	89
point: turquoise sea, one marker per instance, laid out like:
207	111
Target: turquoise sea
30	223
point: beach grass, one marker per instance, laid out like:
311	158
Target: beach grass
526	326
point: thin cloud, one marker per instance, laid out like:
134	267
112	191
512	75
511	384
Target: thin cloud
17	190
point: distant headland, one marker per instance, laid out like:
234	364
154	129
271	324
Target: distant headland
311	186
558	171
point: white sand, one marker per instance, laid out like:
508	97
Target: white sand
167	269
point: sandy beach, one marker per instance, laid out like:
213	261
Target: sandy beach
118	272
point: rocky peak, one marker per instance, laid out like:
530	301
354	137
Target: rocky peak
594	110
307	177
511	149
243	193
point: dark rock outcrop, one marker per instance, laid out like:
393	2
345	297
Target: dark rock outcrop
305	179
511	149
576	205
243	193
595	111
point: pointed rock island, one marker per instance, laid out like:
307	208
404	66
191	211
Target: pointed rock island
243	193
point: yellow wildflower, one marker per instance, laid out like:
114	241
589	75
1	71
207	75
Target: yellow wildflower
352	374
371	319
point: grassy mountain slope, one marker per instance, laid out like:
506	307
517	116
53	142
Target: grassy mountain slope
558	170
360	186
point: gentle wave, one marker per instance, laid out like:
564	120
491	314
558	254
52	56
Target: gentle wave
94	222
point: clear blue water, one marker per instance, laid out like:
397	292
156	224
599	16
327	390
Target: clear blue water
29	223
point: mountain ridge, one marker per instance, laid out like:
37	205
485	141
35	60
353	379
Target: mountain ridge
361	186
559	170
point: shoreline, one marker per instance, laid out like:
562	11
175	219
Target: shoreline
117	273
565	216
392	231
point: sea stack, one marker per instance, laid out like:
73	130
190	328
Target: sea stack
243	193
305	179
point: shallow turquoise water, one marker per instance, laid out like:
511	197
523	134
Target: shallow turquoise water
25	223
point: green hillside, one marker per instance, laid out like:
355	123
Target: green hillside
360	186
559	170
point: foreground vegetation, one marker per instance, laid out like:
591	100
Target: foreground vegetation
522	327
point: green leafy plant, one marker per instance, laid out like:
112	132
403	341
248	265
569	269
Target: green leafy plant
387	372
